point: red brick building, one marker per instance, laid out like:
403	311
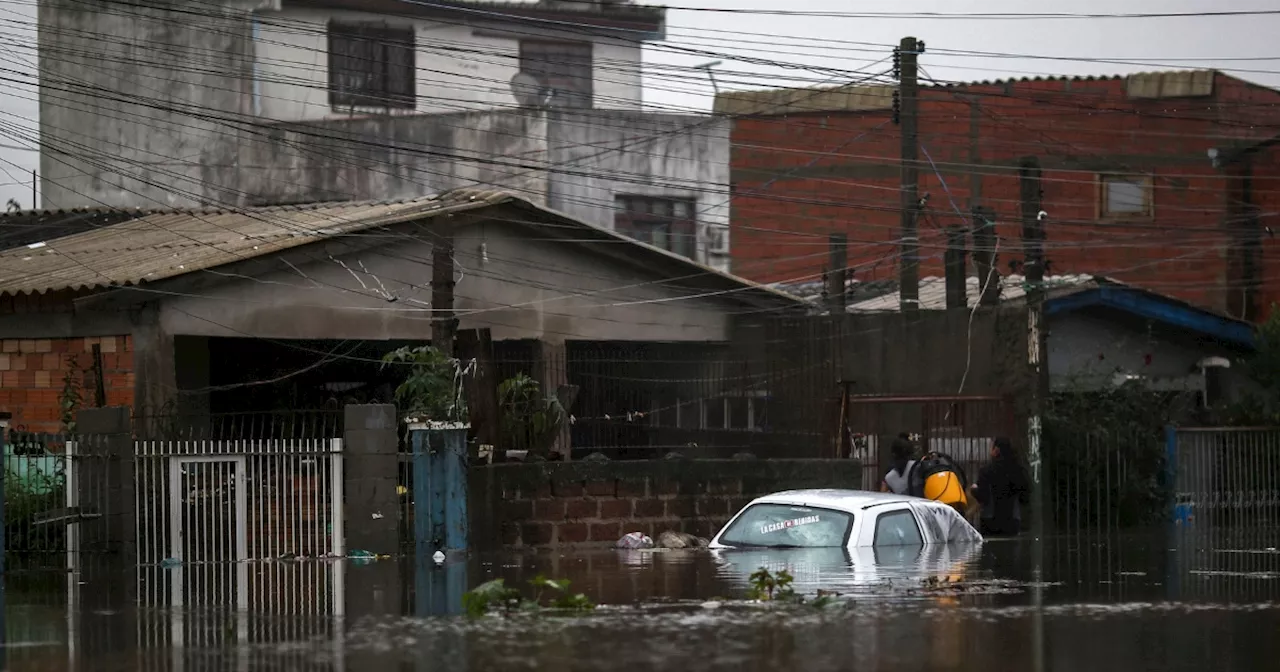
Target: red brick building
1146	178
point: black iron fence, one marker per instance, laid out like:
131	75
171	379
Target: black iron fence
35	484
259	425
1104	478
640	401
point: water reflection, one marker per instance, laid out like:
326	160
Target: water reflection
1139	602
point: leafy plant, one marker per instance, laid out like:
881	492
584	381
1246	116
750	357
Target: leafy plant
433	388
529	420
767	586
1263	368
71	398
496	594
489	594
1104	453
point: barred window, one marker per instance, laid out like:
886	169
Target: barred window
668	223
563	67
371	65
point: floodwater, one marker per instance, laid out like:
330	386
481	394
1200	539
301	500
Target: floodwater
1137	602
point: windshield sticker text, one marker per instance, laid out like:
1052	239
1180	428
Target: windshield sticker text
786	524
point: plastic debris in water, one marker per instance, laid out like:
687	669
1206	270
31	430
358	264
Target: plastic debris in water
364	557
635	540
170	562
438	557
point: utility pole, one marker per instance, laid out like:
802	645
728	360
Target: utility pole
909	101
1033	264
443	324
1037	351
836	272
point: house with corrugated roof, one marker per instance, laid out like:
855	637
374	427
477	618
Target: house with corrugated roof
199	311
1102	333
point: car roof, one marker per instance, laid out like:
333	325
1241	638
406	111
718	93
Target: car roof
843	500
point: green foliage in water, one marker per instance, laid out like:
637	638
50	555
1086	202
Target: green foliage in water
767	586
432	388
495	595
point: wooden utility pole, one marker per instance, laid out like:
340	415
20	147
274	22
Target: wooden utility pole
909	102
443	324
1033	265
836	272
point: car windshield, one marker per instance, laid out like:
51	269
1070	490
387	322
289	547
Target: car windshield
788	526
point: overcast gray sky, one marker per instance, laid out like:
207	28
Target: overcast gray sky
1071	47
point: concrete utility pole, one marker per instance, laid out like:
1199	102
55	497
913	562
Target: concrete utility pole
1033	217
443	324
909	99
1033	264
836	272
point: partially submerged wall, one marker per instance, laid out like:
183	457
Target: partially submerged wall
560	504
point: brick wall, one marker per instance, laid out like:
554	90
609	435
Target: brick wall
33	374
799	177
554	505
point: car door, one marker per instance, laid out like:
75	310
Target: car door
894	534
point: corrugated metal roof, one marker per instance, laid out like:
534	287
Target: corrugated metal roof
933	292
164	244
157	245
863	98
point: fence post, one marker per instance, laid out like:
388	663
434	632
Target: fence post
105	480
439	487
5	416
371	467
1179	513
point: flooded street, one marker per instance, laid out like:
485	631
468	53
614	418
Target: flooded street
1139	602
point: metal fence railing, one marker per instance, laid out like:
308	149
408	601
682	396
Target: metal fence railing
1225	476
1103	479
35	483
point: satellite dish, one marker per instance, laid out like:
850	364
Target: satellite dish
529	90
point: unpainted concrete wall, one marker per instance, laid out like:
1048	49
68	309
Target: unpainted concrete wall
598	157
136	99
390	157
518	285
461	65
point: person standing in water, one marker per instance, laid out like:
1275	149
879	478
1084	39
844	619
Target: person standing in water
898	479
1002	491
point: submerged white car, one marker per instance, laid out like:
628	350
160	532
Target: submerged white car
843	519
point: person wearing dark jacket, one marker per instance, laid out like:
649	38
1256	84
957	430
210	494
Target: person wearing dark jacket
1002	490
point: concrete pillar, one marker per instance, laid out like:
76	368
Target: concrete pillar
440	469
552	372
371	468
155	372
5	417
105	482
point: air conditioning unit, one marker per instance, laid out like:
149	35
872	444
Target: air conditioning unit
718	240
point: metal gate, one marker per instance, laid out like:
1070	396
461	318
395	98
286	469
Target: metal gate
1225	475
960	426
207	502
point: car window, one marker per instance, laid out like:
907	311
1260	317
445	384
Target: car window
787	525
897	528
